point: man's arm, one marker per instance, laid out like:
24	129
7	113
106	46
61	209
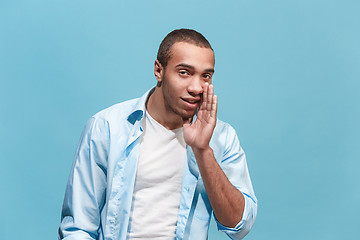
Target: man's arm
227	201
85	191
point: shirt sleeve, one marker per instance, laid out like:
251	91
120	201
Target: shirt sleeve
235	167
85	190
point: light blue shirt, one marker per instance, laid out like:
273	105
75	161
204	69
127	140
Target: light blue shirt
99	192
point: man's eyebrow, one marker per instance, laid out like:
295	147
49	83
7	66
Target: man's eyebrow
184	65
211	70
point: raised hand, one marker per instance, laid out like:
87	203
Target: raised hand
198	134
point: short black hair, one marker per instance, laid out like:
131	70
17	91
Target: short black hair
180	35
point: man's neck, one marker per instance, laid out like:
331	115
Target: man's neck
156	107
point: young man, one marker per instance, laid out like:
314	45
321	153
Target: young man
156	167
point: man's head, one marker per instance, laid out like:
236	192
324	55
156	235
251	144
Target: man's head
180	35
187	65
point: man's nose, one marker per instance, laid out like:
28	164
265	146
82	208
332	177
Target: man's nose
195	86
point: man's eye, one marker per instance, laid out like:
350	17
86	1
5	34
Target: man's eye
183	73
207	76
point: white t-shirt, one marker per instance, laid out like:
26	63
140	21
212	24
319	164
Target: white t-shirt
157	190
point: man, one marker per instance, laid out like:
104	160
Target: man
158	166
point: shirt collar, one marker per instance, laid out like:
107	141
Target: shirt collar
138	112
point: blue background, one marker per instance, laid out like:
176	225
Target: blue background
287	78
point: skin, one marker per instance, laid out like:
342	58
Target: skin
183	87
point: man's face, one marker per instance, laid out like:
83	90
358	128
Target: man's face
188	69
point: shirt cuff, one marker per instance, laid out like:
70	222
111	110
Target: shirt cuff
244	222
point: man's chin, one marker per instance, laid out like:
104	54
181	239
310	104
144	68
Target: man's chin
188	115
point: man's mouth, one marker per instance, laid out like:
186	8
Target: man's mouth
191	102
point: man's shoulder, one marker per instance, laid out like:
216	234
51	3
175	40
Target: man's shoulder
223	127
118	111
224	138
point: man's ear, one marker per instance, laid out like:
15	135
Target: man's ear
158	71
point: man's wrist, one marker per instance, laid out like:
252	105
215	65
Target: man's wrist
203	152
